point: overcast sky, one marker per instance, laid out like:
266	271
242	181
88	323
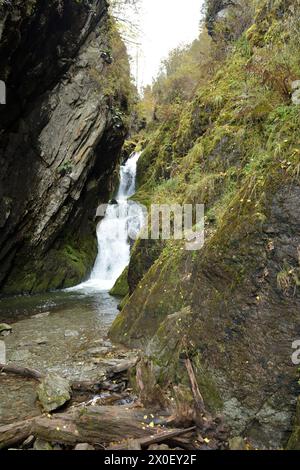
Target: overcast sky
164	24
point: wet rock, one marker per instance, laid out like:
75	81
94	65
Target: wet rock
237	443
28	442
42	445
53	392
5	329
84	446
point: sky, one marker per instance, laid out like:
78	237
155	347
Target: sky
163	25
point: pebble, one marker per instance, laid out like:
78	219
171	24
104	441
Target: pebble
84	446
71	334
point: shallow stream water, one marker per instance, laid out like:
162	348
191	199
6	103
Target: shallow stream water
61	332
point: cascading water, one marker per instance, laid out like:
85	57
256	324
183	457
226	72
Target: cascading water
122	219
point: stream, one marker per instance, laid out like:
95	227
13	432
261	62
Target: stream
66	331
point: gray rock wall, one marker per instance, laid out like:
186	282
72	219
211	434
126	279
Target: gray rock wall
61	133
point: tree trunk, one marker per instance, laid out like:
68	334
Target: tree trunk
16	433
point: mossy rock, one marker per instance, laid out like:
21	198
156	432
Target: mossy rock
61	267
53	392
4	328
121	287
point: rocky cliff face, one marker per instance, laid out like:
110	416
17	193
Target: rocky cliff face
233	306
61	132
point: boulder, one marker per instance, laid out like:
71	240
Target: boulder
53	392
42	445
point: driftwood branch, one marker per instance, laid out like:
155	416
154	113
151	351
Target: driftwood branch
77	386
94	425
21	371
199	402
157	439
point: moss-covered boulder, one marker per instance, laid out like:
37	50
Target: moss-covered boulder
5	329
53	392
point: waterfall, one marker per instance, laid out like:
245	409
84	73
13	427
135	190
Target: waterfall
122	218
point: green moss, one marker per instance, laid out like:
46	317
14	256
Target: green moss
294	440
209	389
121	287
59	268
232	148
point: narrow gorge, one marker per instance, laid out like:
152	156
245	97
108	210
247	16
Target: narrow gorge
113	338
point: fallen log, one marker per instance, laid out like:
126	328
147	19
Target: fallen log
182	442
25	372
94	425
154	439
16	433
112	423
62	429
77	386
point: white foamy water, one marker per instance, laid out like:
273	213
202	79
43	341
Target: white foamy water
122	219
